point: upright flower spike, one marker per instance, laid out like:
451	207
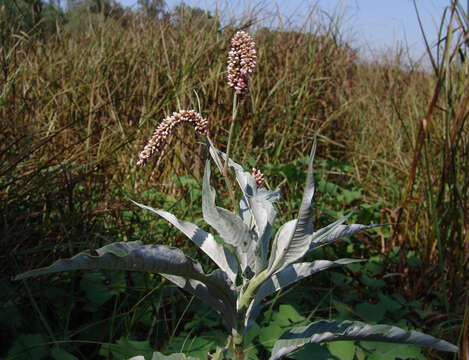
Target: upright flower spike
259	176
167	126
241	62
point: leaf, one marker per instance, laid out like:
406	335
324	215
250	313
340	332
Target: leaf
343	350
262	205
288	249
371	312
336	231
289	275
230	227
200	290
160	356
29	346
124	349
133	256
323	331
99	287
59	353
204	240
256	206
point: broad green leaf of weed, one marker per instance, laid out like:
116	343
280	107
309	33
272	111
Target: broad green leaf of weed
253	332
125	349
59	353
28	346
339	279
374	265
372	283
389	303
344	312
315	351
10	314
198	347
283	319
380	350
344	350
349	196
373	313
100	286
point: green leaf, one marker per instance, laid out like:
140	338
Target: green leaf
371	312
292	245
314	351
99	287
59	353
134	256
199	346
200	290
381	350
29	346
160	356
286	277
372	283
344	350
324	331
124	349
205	241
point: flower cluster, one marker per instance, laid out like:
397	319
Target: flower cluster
167	126
241	62
259	176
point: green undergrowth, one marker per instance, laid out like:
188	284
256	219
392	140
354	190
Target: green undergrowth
117	315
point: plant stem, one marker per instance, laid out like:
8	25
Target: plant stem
228	150
238	347
230	136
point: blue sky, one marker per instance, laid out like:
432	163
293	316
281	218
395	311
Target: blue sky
372	25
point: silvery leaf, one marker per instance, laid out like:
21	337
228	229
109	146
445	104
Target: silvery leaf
230	227
256	207
292	248
204	240
133	256
324	331
336	231
287	276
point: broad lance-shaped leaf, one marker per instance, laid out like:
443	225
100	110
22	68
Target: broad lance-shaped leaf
336	231
288	249
324	331
204	240
230	227
289	275
200	290
133	256
256	207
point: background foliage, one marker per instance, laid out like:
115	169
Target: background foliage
81	90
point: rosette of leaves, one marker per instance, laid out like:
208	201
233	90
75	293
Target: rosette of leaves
250	265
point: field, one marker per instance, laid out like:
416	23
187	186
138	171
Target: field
80	99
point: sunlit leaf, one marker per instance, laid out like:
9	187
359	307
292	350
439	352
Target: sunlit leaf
324	331
204	240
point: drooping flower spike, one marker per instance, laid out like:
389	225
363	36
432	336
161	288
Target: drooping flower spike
166	127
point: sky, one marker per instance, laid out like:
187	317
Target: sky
374	26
